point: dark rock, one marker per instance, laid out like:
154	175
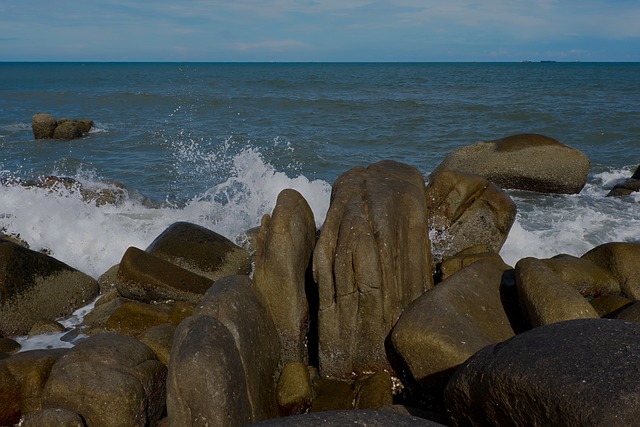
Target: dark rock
374	391
133	318
147	278
465	211
331	394
364	417
371	260
621	259
201	251
67	129
526	162
284	247
220	398
630	312
573	373
584	276
294	392
464	259
9	397
449	323
239	306
629	186
54	417
46	327
546	298
159	339
43	126
607	305
109	380
35	286
7	345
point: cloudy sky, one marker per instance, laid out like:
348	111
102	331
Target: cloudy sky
319	30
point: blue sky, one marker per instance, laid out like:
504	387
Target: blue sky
322	30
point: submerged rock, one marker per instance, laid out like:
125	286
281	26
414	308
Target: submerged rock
629	186
45	126
526	162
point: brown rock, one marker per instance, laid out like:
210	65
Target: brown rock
621	259
374	391
147	278
332	394
294	392
9	397
464	259
607	305
201	251
527	162
54	417
34	286
285	244
584	276
133	318
371	260
630	312
159	339
9	346
43	126
546	297
465	211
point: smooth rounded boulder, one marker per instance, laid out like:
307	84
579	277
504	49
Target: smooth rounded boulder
526	162
621	259
43	126
573	373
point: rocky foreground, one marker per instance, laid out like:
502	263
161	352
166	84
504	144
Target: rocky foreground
399	311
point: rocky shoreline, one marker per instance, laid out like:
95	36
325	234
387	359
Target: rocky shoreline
399	311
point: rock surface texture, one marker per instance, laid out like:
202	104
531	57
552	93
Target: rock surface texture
573	373
526	162
371	260
45	126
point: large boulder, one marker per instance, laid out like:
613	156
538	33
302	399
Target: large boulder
110	380
546	297
449	323
467	210
201	251
573	373
236	303
621	259
584	276
43	126
54	417
35	286
371	260
284	247
526	162
147	278
364	417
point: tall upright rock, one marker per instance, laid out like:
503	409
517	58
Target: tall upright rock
371	260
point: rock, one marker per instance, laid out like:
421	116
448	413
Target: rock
621	259
67	129
133	318
293	392
331	394
449	323
180	310
109	380
609	304
9	397
629	186
45	327
97	318
35	286
526	162
43	126
9	346
236	303
573	373
465	211
584	276
374	391
201	251
220	398
147	278
371	260
54	417
284	247
465	258
546	298
159	339
364	417
629	312
31	370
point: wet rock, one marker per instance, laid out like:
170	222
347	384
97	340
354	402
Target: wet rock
546	297
54	417
159	339
67	129
46	327
365	417
629	186
609	304
9	346
147	278
374	391
133	318
371	260
201	251
239	306
294	392
584	276
220	398
621	259
35	286
449	323
43	126
109	380
332	394
526	162
465	211
284	247
573	373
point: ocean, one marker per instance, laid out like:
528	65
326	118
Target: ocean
214	143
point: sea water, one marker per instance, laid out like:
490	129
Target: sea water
214	143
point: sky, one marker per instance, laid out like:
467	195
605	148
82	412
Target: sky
320	30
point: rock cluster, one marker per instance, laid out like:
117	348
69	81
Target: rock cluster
631	185
45	126
362	324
